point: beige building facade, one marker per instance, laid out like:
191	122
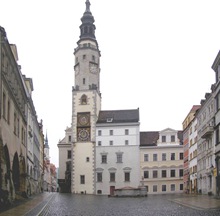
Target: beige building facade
161	161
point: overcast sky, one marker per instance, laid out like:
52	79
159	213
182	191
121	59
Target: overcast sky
156	55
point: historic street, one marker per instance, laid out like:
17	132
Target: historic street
91	205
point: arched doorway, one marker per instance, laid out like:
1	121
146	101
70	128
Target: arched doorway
8	166
16	172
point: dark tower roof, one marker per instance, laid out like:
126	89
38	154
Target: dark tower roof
87	28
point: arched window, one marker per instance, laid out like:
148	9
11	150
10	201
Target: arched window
84	99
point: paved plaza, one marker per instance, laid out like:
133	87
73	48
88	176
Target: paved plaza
58	204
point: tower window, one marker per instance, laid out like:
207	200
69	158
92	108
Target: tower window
82	179
93	58
84	99
84	81
84	57
69	154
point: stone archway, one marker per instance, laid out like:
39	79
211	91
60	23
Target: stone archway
23	175
8	167
7	178
16	172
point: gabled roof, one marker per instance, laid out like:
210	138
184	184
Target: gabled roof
118	116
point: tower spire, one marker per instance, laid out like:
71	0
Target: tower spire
87	28
46	141
88	5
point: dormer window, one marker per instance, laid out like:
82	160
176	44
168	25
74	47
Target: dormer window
109	119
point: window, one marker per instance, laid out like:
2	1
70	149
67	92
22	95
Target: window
69	138
15	126
99	177
82	179
22	135
9	112
84	99
164	157
110	142
181	173
18	127
109	119
172	157
84	57
119	157
84	81
126	132
172	187
99	143
181	156
145	157
146	174
112	177
69	154
93	58
127	176
154	173
154	157
163	138
172	138
164	173
172	173
104	158
126	142
154	188
4	106
87	159
111	132
181	186
99	133
164	188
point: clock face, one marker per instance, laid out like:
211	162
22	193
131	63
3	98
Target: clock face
93	68
84	120
83	134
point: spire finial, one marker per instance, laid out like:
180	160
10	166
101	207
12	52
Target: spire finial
87	5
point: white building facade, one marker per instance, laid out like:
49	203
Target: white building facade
117	151
206	146
65	161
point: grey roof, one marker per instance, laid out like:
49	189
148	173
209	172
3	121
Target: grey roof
149	138
118	116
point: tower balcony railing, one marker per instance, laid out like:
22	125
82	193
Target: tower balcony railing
85	45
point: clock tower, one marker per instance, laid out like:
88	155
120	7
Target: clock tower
86	104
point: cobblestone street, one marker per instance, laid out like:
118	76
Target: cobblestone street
89	205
